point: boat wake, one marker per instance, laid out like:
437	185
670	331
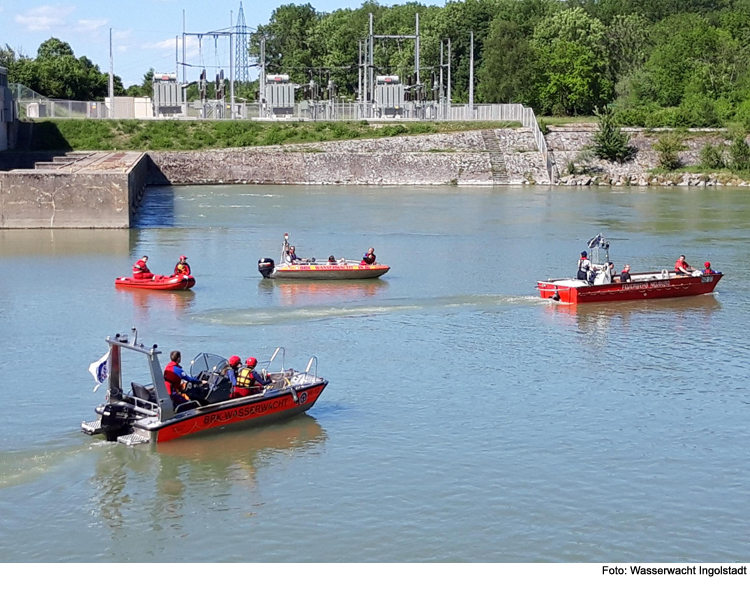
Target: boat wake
260	317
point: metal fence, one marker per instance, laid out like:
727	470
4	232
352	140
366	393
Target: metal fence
32	105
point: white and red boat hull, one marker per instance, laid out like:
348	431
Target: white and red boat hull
643	286
329	272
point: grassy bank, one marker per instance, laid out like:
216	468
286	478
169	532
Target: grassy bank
103	134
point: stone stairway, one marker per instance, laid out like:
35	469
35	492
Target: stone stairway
497	160
68	159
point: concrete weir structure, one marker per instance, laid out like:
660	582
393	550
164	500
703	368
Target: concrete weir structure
78	190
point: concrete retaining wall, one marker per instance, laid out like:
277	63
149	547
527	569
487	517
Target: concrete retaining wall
437	159
63	199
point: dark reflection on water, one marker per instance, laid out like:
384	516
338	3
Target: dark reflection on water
157	210
225	460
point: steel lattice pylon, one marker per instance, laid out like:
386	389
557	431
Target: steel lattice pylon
242	55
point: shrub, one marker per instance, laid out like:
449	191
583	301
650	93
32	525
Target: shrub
739	153
543	126
668	147
610	142
712	156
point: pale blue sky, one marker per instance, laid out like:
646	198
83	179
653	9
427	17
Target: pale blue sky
143	30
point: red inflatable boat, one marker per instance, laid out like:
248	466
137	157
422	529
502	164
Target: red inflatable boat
159	282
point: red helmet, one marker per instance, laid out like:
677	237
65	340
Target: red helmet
251	362
234	360
183	257
707	264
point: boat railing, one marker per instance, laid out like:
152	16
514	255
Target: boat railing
309	365
275	353
146	406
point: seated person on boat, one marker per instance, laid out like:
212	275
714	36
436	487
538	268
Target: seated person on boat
707	270
292	256
232	368
332	260
141	270
369	257
681	267
182	268
173	378
625	275
249	381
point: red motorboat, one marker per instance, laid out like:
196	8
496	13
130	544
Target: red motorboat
605	288
144	413
159	282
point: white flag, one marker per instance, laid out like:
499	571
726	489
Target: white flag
100	370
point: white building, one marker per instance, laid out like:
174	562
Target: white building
7	113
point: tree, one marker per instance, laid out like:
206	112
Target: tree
572	51
610	142
146	88
508	71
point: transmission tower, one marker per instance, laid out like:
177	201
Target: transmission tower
242	48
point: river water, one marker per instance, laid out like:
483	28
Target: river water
465	420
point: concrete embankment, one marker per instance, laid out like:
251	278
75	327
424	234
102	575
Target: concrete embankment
83	190
486	157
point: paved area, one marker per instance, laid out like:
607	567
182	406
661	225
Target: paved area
91	162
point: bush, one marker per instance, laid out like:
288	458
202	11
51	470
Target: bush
543	126
668	147
739	153
610	142
712	156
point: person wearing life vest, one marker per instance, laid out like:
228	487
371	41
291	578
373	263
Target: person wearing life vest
249	381
173	378
707	270
182	268
584	267
141	270
369	257
681	266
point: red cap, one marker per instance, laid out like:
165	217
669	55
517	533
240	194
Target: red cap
234	360
183	257
706	264
251	362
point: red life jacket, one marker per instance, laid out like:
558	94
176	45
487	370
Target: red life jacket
172	381
140	267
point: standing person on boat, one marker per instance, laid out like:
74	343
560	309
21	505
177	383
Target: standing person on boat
182	268
173	378
249	381
681	266
625	275
584	267
369	257
707	270
141	270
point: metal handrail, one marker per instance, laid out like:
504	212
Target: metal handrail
309	364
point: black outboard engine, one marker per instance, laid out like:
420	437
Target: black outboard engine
116	420
266	267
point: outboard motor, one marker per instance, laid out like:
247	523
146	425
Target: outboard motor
116	420
266	267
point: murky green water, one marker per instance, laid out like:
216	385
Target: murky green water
465	420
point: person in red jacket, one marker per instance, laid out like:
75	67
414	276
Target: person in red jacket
681	266
173	378
182	268
141	270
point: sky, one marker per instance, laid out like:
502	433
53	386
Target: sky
143	31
